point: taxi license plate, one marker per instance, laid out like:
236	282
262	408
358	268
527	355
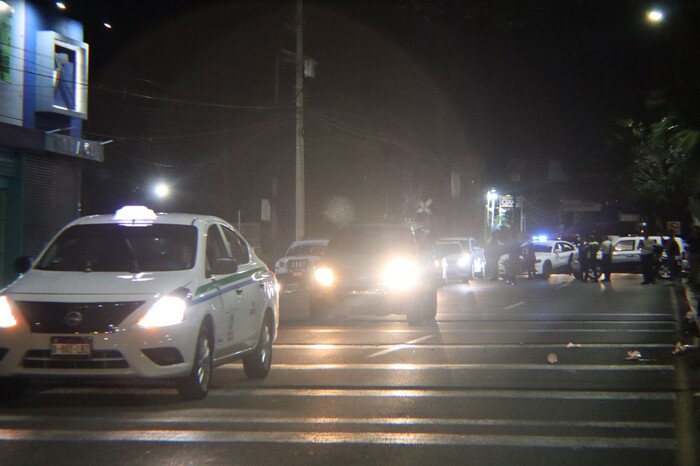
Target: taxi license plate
71	347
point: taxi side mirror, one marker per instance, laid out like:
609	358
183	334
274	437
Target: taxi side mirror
224	266
23	264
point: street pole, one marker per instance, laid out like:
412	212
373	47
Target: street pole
300	200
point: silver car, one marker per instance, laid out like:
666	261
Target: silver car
473	257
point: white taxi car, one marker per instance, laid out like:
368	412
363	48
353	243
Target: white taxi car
139	294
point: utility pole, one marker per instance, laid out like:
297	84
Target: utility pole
300	197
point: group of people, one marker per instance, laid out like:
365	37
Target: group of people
505	243
588	259
651	256
592	263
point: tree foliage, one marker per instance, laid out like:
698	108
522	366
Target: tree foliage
665	166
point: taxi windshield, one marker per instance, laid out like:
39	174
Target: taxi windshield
121	248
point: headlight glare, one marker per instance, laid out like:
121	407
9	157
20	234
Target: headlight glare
324	276
400	274
168	310
7	318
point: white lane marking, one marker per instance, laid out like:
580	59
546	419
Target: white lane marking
581	318
514	305
449	346
385	438
225	418
557	330
400	347
396	393
457	367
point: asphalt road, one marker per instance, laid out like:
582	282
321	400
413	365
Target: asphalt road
546	372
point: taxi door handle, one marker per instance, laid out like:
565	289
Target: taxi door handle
239	291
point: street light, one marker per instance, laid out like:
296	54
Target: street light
161	190
655	16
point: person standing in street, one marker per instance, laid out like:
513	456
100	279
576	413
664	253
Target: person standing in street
647	257
494	250
529	258
592	259
583	259
513	261
673	251
694	256
606	249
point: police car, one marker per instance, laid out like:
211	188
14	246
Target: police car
139	295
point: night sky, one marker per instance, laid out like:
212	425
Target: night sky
405	91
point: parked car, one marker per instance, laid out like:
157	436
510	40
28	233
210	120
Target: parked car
139	295
377	269
551	256
470	264
454	261
297	265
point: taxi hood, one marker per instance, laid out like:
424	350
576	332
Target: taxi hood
103	284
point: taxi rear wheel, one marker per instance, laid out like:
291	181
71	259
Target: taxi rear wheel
257	364
196	385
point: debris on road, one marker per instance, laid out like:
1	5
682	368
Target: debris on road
573	345
634	355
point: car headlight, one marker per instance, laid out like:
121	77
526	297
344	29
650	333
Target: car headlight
400	274
168	310
7	318
463	261
324	276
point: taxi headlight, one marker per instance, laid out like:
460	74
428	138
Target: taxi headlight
168	310
400	274
324	276
7	318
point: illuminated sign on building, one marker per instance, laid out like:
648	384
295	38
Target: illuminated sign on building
5	41
75	147
62	78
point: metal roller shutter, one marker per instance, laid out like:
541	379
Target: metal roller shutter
51	198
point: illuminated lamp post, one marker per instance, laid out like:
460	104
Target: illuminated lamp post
491	199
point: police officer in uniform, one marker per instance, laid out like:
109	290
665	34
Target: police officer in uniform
606	249
647	257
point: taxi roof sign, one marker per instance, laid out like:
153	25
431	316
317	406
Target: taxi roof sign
135	214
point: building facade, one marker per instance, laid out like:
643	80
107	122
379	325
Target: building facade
43	103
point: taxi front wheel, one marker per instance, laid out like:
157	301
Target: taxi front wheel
257	364
196	385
